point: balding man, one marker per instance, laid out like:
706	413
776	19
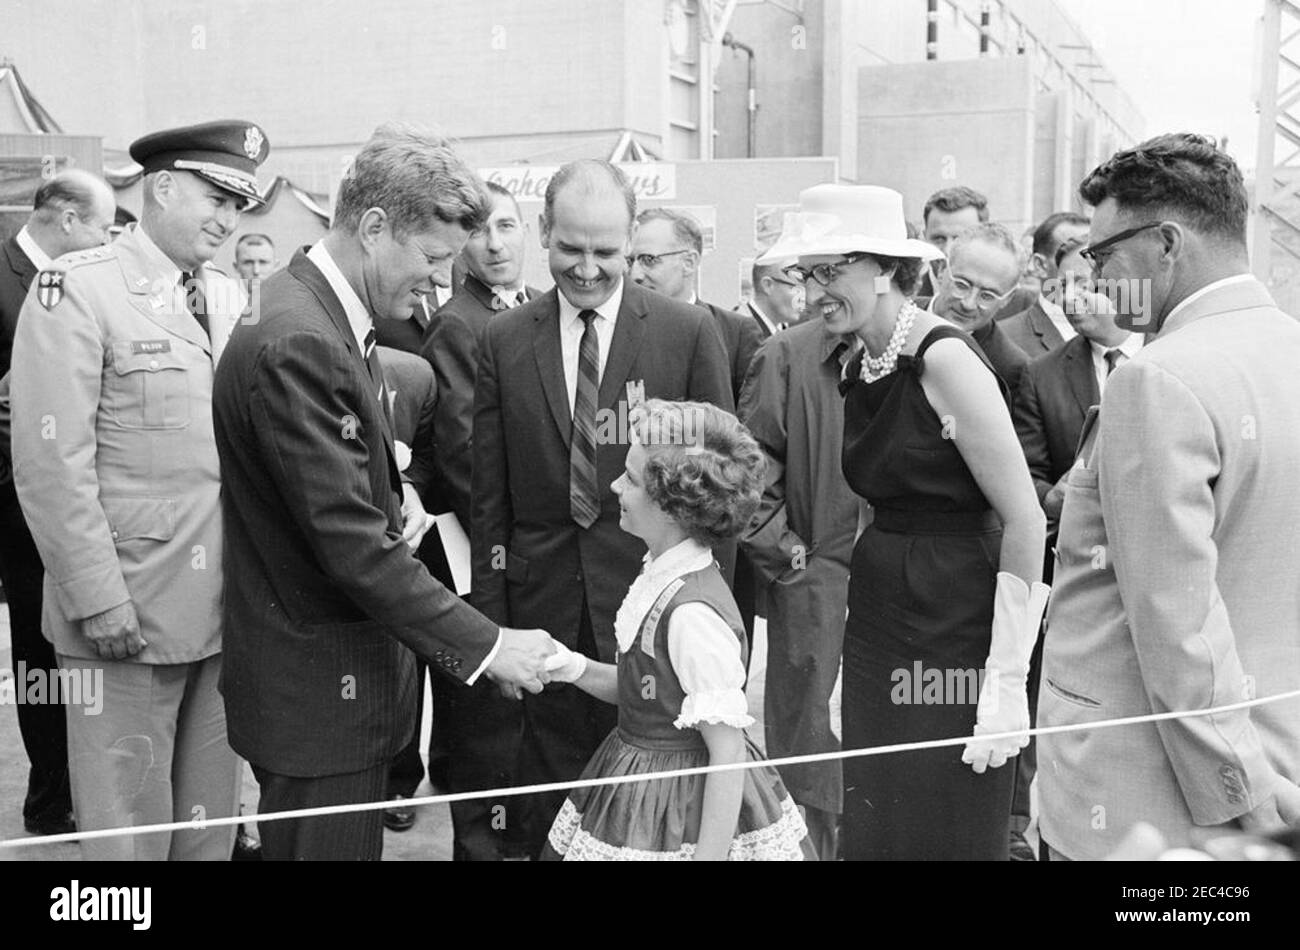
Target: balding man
556	377
983	273
72	211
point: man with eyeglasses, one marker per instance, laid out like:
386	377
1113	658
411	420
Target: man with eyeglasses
72	211
1176	582
777	302
666	251
982	275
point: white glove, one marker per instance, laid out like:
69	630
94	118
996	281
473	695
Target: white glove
564	665
1004	698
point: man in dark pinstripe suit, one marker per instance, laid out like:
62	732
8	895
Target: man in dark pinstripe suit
325	601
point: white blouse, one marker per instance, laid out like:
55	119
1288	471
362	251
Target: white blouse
702	649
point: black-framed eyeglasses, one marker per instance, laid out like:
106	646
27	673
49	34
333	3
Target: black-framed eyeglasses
648	261
1092	253
824	274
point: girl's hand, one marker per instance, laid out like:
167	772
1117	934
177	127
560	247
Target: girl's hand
565	666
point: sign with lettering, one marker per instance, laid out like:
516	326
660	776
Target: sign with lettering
650	180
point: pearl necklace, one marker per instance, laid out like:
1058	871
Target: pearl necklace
873	367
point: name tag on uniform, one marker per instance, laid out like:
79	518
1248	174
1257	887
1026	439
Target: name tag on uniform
139	347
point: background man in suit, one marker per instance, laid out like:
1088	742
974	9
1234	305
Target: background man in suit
113	351
777	300
667	247
1043	325
72	211
1058	388
493	260
1055	394
546	540
324	595
255	257
1186	487
494	265
983	272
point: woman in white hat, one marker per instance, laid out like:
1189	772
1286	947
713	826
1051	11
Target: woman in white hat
944	598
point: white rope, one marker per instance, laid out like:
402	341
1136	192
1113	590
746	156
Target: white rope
511	791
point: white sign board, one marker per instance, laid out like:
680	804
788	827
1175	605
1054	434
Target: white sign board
650	180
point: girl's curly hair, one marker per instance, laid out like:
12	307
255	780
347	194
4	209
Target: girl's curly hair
704	468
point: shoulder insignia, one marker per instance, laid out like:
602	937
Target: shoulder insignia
89	256
49	288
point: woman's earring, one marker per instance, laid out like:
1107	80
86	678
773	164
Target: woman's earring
883	283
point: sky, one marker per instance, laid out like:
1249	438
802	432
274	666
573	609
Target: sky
1189	65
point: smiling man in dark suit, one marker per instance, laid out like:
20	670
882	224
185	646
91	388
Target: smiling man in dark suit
323	595
556	378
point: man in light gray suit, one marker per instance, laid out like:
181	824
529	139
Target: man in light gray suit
1177	584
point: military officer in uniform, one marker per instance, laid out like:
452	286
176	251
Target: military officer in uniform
116	470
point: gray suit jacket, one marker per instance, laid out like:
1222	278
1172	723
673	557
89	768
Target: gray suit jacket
1033	330
1177	585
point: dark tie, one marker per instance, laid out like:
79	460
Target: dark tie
376	370
584	495
1112	358
194	300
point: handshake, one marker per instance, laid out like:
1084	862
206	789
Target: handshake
529	659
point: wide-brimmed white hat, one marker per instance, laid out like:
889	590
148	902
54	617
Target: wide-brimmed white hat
842	219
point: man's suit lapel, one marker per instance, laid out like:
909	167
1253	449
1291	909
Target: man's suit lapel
550	362
302	268
629	330
763	330
1079	373
1042	325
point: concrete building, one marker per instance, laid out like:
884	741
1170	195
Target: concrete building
545	81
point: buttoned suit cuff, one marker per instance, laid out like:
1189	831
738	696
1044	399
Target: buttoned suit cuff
492	655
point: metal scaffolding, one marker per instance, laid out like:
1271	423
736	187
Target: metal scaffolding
1277	180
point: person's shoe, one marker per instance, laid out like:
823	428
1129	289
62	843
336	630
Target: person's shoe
247	848
62	825
399	817
1020	848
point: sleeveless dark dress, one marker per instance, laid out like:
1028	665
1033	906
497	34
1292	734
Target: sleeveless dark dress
920	617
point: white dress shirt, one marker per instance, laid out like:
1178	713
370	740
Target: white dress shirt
1129	348
33	250
571	330
359	318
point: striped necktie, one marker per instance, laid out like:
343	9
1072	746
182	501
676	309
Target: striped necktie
584	494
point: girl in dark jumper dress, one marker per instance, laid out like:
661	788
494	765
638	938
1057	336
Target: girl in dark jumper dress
692	480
